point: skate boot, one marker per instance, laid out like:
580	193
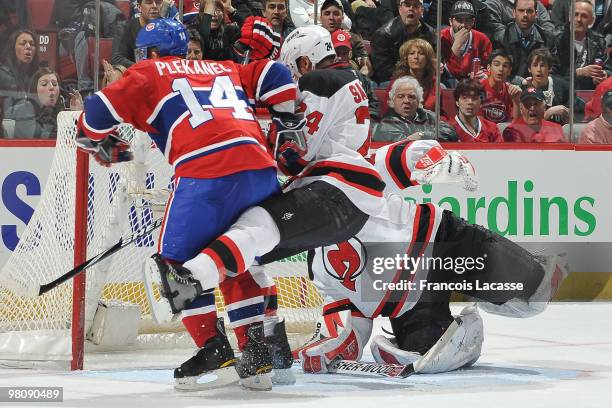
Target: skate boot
255	364
216	357
178	284
282	359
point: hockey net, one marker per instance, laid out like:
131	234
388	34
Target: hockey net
121	200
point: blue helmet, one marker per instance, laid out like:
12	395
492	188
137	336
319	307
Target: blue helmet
169	36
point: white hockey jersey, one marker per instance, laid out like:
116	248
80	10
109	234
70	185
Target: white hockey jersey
337	133
353	274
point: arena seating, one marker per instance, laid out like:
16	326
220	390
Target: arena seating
39	13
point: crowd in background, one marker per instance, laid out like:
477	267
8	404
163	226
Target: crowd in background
503	74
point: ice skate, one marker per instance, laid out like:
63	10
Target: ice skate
216	357
255	365
177	284
282	359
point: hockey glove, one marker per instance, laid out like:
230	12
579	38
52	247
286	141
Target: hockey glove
440	166
111	149
258	36
288	143
346	337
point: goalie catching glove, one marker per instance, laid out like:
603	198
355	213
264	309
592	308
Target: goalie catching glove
111	149
258	37
440	166
342	337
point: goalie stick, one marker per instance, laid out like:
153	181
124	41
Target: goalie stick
34	291
358	368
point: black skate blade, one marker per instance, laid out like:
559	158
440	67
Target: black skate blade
209	381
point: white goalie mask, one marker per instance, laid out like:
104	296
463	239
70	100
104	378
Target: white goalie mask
313	42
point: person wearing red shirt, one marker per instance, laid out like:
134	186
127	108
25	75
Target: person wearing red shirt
461	43
593	107
531	126
500	102
469	126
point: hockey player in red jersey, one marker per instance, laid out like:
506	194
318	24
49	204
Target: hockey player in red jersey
199	113
469	125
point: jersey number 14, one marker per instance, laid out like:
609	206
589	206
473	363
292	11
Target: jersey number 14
222	95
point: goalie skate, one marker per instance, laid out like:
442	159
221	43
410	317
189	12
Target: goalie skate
216	358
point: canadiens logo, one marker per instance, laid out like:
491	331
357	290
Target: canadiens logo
345	261
341	37
150	26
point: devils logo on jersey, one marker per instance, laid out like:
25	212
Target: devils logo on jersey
345	261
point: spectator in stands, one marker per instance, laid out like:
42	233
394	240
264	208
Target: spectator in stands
500	99
469	126
447	6
555	89
21	63
275	11
461	43
522	36
125	40
559	14
593	107
417	59
589	47
194	47
406	118
6	25
217	36
388	39
302	14
343	47
531	126
600	129
332	15
502	12
36	116
369	15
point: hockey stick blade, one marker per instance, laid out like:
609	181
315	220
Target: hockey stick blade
358	368
371	369
122	243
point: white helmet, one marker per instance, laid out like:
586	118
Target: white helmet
313	42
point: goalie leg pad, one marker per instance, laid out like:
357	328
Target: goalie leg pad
458	347
556	270
318	214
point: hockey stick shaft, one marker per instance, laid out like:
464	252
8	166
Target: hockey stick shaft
122	243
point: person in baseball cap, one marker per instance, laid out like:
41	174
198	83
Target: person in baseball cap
465	50
531	126
342	44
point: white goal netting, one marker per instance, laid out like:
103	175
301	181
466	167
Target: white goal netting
121	200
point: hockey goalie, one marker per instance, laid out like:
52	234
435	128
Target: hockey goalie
404	266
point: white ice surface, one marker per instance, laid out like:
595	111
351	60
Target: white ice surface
562	358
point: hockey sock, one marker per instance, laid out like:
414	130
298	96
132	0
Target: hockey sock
200	318
254	234
244	303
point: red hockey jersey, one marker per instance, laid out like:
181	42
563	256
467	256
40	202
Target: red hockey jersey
477	46
497	104
486	131
199	113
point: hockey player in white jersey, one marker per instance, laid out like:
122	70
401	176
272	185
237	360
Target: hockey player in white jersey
405	266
